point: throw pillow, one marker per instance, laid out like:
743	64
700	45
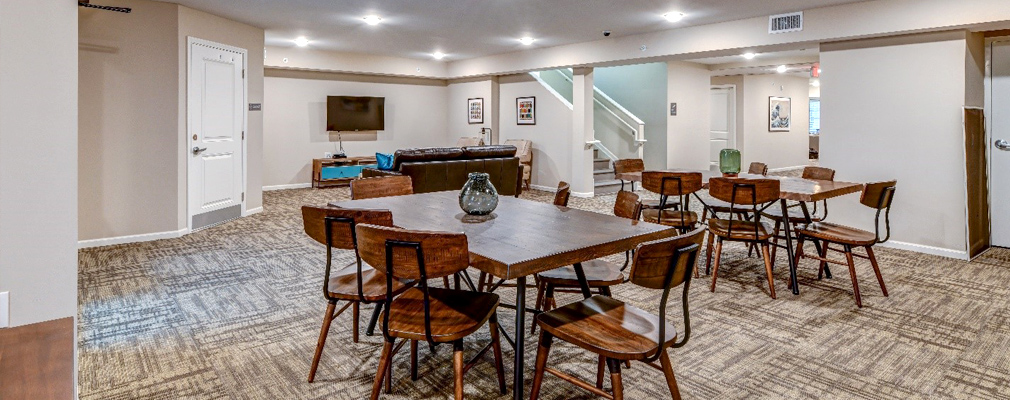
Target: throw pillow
384	161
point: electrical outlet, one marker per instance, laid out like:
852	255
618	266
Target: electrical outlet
5	309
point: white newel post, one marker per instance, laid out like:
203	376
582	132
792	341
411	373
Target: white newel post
582	131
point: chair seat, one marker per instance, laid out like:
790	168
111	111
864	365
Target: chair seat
455	314
742	230
838	234
670	217
607	327
795	215
654	204
599	273
373	284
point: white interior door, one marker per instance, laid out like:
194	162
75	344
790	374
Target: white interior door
216	119
722	133
999	160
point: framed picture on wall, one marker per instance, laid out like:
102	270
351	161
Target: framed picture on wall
779	114
526	110
475	110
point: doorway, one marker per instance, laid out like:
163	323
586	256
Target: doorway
999	141
722	131
216	125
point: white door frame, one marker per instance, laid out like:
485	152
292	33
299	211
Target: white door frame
735	133
190	41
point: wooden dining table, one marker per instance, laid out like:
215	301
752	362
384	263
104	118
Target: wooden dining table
790	189
520	238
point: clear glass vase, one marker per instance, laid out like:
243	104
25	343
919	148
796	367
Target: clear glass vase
478	196
729	162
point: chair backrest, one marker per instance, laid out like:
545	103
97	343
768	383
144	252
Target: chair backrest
879	195
629	165
469	141
672	183
758	168
417	255
744	191
628	205
665	264
341	221
524	149
370	188
818	173
563	193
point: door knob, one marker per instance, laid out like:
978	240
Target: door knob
1002	145
197	150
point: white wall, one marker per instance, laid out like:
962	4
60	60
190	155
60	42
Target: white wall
893	111
457	124
640	89
777	149
689	85
38	159
294	119
551	135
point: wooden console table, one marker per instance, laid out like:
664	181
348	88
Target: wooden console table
338	171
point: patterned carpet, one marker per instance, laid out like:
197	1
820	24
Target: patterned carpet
234	312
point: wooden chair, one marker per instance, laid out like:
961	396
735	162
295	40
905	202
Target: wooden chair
755	194
600	274
678	185
563	193
875	195
370	188
796	216
355	284
636	165
617	331
717	206
423	313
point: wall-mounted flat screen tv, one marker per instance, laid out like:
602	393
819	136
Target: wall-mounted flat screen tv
349	113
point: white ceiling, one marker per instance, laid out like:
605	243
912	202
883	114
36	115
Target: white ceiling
472	28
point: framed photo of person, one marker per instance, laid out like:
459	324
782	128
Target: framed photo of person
526	110
475	110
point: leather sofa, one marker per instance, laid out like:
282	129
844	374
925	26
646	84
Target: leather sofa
436	169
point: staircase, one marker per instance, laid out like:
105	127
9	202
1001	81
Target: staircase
604	181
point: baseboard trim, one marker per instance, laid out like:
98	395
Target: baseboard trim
543	188
584	195
147	237
285	187
784	169
256	210
931	250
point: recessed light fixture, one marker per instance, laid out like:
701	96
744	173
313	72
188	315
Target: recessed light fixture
526	40
372	19
781	69
302	41
438	55
749	56
674	16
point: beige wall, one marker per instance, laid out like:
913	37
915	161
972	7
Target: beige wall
689	85
457	113
551	136
295	119
903	121
128	124
309	59
777	149
38	159
201	25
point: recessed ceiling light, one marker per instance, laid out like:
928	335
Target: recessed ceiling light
372	19
674	16
438	55
526	40
781	69
302	41
749	56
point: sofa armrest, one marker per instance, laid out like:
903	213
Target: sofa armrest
374	172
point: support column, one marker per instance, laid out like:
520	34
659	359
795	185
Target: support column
495	111
582	132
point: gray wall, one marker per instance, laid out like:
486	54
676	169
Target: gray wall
38	159
642	90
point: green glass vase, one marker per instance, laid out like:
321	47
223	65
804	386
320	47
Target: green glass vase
729	162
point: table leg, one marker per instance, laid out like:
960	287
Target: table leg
583	283
789	245
518	391
817	243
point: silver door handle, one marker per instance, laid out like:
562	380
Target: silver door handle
197	150
1002	145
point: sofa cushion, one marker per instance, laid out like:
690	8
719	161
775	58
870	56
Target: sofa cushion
425	154
495	151
384	161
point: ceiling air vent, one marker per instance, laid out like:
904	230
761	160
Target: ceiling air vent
782	23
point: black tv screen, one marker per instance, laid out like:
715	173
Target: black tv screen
348	113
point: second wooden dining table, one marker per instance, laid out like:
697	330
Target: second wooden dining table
519	239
